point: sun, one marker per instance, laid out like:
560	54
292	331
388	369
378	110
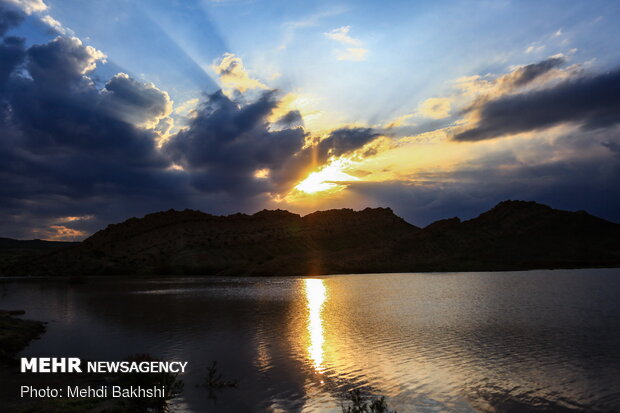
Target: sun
329	178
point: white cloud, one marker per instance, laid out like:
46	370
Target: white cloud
29	6
535	47
233	75
56	25
341	35
436	108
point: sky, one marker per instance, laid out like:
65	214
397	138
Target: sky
111	109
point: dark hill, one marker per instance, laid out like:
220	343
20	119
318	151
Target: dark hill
13	253
517	235
513	235
32	244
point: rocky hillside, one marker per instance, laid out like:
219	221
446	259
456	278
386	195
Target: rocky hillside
517	235
512	235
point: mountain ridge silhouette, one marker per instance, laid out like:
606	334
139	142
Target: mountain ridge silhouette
513	235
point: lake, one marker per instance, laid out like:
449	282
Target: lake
544	341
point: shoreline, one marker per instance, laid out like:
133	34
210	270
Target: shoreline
17	333
79	278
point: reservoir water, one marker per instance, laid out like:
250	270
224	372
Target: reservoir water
542	341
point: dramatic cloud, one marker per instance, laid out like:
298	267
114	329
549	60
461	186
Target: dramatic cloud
577	170
482	90
78	151
62	62
226	144
71	149
139	103
66	150
591	101
340	142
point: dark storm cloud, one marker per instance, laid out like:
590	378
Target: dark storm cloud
11	48
135	101
61	62
11	55
508	83
226	143
9	18
614	147
65	151
292	119
223	131
59	112
345	140
591	101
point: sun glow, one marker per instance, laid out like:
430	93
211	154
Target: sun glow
316	294
330	177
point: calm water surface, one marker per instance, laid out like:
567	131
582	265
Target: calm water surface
450	342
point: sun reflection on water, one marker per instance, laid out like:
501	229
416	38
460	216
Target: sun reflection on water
316	294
